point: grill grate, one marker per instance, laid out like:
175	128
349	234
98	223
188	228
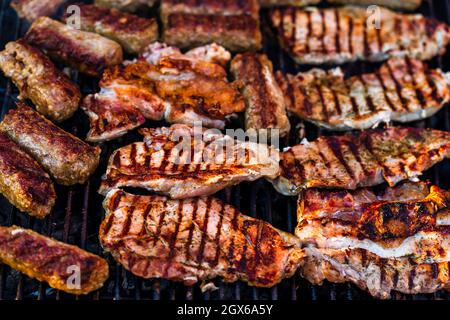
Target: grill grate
78	211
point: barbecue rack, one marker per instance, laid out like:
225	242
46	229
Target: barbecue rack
78	212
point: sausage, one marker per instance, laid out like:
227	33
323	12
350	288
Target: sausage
264	99
87	52
65	157
37	78
132	32
54	262
23	181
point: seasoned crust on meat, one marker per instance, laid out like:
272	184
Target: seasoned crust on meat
132	32
193	240
264	99
68	159
198	84
402	89
33	9
88	52
37	78
362	159
49	260
349	35
159	165
23	181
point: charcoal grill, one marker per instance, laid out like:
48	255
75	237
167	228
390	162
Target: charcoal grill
78	211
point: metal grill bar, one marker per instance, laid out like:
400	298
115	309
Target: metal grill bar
78	211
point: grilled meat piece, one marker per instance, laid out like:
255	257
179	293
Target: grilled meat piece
163	83
401	222
232	24
123	104
88	52
33	9
338	35
125	5
68	159
293	3
394	4
349	205
195	240
212	53
236	33
183	161
49	260
377	240
363	159
37	78
110	117
132	32
23	182
370	272
201	85
209	7
402	89
264	98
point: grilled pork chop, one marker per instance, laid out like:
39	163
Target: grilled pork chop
132	32
338	35
37	78
88	52
406	223
183	162
266	109
362	159
195	240
33	9
163	83
377	239
232	24
23	181
46	259
402	89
